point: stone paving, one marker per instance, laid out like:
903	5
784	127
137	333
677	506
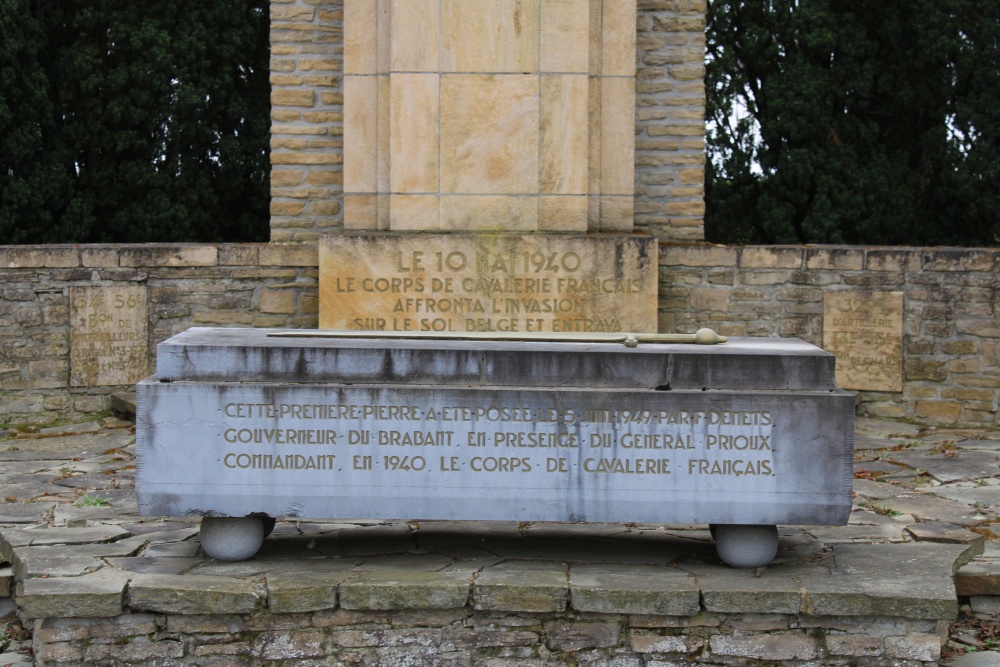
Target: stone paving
926	507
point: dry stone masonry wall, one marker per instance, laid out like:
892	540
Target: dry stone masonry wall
464	637
949	364
184	285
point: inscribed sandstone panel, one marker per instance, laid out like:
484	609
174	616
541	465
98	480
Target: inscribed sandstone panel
488	282
865	331
108	336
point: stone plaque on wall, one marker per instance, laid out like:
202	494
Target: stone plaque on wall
488	282
108	336
865	331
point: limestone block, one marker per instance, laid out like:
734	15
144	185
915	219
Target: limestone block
406	589
91	596
563	134
508	213
562	213
360	133
191	594
414	132
766	647
414	35
361	211
652	643
616	214
489	35
565	36
524	586
489	134
674	594
771	258
617	136
452	265
618	38
570	636
414	212
865	331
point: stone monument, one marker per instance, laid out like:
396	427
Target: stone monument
244	426
493	144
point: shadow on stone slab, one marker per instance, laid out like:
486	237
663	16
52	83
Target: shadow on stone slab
154	564
576	550
415	562
573	530
187	549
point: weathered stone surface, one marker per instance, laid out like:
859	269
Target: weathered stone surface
736	591
978	578
97	595
299	592
191	594
488	283
938	531
906	597
569	636
865	331
853	645
643	642
108	343
914	647
777	434
633	590
81	536
767	647
399	589
951	466
525	586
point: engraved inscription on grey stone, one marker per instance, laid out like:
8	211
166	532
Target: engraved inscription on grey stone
573	449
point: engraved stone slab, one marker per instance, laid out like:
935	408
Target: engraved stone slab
108	336
865	331
488	282
569	449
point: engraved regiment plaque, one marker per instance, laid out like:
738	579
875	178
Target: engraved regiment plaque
865	331
488	282
108	336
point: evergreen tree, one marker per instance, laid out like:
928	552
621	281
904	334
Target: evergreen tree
155	124
841	121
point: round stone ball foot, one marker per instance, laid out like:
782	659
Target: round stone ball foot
746	546
231	538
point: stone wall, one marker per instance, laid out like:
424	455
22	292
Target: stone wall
951	317
187	285
308	121
464	637
951	313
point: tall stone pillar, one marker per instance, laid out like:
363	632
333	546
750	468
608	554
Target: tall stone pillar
489	115
484	142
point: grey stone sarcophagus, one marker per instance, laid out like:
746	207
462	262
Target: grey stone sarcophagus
260	423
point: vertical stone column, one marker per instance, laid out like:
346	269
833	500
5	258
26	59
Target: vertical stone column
306	119
498	115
